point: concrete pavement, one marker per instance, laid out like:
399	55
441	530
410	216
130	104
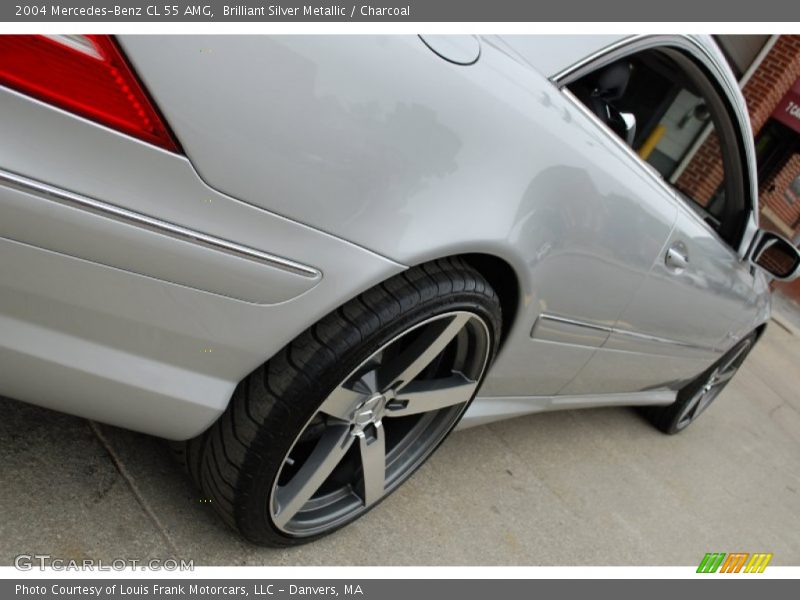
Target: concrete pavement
591	487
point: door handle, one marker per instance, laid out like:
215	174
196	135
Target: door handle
677	258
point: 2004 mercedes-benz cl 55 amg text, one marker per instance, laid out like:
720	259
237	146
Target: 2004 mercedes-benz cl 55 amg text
302	258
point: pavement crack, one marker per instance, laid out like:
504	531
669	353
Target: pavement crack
131	483
774	409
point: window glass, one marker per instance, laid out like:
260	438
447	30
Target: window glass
652	103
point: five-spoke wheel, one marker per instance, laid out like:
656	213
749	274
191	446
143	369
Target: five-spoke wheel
698	395
379	423
347	411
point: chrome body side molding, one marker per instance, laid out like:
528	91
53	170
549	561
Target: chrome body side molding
122	215
553	328
564	330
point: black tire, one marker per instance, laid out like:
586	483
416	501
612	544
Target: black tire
188	454
236	462
674	418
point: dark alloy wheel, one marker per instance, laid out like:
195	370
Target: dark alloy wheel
380	423
335	422
698	395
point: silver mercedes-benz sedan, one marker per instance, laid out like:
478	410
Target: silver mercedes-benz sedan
302	258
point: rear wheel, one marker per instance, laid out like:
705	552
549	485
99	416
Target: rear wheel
350	409
698	395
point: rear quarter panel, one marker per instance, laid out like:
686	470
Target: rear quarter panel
381	142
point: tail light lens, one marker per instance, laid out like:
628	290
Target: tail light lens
86	75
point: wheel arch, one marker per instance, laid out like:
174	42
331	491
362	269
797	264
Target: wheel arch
502	276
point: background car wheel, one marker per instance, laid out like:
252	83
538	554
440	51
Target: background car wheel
698	395
337	420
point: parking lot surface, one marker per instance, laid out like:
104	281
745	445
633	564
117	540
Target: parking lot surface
590	487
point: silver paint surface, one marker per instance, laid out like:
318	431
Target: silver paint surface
358	157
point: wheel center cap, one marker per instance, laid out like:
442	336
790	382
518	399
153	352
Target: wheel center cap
370	411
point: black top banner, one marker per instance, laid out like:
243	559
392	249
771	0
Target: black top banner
399	11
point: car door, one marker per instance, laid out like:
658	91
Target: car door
699	296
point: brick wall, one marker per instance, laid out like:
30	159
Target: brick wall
765	89
704	174
772	194
772	79
770	82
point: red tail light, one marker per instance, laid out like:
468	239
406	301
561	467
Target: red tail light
86	75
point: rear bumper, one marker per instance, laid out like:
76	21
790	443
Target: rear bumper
134	294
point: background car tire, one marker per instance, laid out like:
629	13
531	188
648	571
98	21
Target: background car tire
238	461
677	416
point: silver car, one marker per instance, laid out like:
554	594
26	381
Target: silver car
302	258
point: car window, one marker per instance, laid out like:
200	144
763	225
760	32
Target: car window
667	109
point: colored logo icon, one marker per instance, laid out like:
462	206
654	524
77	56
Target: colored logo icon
735	562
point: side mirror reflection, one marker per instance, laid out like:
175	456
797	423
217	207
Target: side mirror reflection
776	255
